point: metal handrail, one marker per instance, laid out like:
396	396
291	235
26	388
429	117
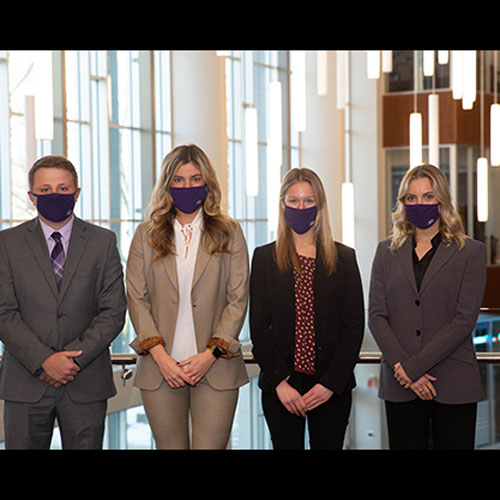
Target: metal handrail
363	358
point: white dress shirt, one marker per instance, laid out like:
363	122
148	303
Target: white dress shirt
187	239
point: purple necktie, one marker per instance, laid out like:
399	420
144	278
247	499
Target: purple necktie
58	259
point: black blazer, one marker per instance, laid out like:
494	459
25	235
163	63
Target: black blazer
339	319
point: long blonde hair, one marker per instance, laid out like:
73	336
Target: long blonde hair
218	228
450	226
322	232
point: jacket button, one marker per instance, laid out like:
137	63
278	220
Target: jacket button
418	332
417	302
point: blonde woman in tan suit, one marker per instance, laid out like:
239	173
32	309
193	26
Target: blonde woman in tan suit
187	290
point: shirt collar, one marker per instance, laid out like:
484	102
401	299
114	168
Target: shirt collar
65	231
434	242
196	222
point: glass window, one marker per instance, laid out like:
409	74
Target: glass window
111	119
248	75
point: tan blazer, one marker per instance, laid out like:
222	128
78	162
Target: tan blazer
219	295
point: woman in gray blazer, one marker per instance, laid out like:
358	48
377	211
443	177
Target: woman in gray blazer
187	290
426	289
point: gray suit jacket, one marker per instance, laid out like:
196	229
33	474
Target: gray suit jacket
428	331
36	320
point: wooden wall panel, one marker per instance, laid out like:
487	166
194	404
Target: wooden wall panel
456	126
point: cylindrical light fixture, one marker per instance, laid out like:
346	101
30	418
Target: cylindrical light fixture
251	152
433	105
457	74
415	139
29	123
482	189
495	135
443	56
387	61
298	89
469	79
341	55
322	72
495	117
428	62
348	214
274	153
44	98
373	64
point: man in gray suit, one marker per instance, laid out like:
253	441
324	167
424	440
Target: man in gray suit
62	303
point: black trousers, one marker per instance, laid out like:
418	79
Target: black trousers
421	425
326	424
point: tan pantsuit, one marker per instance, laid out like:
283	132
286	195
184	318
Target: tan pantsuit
219	300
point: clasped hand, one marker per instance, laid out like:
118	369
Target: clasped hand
299	405
178	374
423	387
60	368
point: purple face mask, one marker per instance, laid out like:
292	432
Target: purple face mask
55	207
422	216
300	219
188	200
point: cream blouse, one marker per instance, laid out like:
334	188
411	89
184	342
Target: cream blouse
187	239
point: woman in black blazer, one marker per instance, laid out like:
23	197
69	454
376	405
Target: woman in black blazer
306	320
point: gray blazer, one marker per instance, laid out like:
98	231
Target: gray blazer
428	331
36	321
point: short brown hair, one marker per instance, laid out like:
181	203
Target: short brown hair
52	161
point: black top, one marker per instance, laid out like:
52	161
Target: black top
420	266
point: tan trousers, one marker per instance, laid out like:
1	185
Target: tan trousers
212	412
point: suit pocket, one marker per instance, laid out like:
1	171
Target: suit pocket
464	354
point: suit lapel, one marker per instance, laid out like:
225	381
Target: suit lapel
443	253
36	240
170	266
405	258
76	248
285	296
202	260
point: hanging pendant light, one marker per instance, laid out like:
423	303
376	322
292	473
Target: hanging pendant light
469	79
428	63
251	152
482	162
298	89
373	64
457	74
348	214
482	189
495	135
415	139
341	60
443	56
387	61
44	96
415	121
274	153
433	105
322	72
495	117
